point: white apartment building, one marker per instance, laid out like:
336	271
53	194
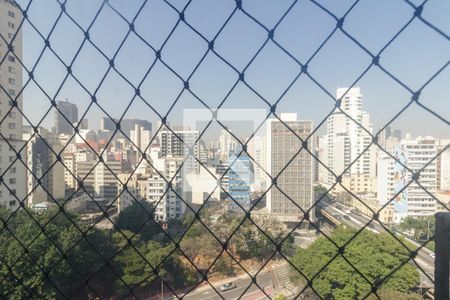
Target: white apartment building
296	181
105	179
443	162
257	150
227	144
136	189
166	200
392	177
13	187
98	179
70	170
346	140
140	138
85	135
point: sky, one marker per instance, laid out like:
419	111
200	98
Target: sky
415	55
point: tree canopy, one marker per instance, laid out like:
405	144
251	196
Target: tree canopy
53	255
420	228
375	256
138	218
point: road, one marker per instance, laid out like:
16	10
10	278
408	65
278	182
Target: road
423	258
264	280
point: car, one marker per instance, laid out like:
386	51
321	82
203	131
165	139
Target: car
432	255
227	286
347	218
371	225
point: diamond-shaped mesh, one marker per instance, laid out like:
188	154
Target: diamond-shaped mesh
50	252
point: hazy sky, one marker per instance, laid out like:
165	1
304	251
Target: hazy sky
413	58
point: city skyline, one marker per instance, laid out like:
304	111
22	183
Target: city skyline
232	149
307	99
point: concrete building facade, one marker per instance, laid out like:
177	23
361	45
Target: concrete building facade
13	187
295	182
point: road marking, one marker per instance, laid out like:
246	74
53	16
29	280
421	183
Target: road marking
267	289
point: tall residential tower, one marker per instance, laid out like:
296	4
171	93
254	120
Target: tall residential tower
13	185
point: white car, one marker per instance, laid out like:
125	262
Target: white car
432	255
227	286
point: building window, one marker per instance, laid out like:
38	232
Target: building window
12	81
11	158
12	114
12	202
11	25
11	58
11	14
12	170
12	125
11	70
12	180
12	192
11	92
10	35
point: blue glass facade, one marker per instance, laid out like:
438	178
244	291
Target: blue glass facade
239	180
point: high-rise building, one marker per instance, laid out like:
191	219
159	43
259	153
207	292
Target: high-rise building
393	176
293	192
106	183
70	171
45	176
84	124
257	151
178	143
13	185
141	138
106	124
66	119
323	158
98	179
239	180
397	134
126	125
443	165
347	139
165	198
227	144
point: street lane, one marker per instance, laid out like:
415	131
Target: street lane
264	280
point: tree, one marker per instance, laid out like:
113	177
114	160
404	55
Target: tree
138	218
224	265
374	255
54	261
320	190
420	228
138	261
